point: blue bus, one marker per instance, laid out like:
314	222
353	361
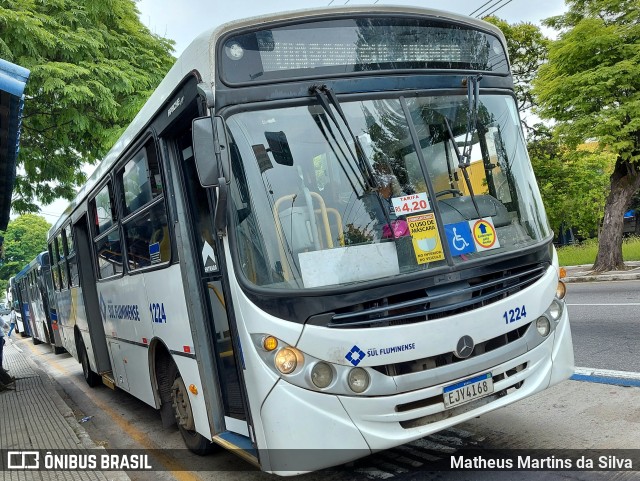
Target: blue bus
34	287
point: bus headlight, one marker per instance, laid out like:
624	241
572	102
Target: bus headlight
287	359
321	375
561	290
543	326
555	310
358	380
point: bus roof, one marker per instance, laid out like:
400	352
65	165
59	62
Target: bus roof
328	11
200	56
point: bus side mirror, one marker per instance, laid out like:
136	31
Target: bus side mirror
210	150
279	147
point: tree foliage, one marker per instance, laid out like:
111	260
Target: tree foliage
93	65
591	87
573	182
24	239
527	48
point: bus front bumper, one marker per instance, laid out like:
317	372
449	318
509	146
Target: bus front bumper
307	430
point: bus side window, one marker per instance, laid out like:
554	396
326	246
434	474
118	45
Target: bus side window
72	259
106	234
146	230
55	275
62	265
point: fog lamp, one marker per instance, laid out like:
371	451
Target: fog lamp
543	326
358	380
321	375
561	290
555	310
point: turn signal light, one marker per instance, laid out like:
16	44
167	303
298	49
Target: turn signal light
193	389
269	343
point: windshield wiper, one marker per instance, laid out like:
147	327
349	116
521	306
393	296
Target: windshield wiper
326	130
326	97
464	158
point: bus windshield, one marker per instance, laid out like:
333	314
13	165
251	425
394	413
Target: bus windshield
307	213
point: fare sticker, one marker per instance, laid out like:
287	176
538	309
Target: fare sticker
408	204
484	234
425	238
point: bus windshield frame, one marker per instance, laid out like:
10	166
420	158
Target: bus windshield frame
310	251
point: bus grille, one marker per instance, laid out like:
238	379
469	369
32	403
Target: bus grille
440	301
445	359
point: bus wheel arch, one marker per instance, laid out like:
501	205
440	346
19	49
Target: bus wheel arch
173	398
181	406
159	362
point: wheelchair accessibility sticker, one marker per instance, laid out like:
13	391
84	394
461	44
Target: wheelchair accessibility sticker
460	238
484	234
425	238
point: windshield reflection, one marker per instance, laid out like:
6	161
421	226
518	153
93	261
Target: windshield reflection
306	215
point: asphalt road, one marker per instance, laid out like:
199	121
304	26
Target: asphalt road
605	323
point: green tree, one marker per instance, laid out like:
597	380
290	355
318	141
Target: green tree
527	48
573	182
591	87
24	239
93	65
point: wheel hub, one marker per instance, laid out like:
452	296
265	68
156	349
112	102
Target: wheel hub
182	405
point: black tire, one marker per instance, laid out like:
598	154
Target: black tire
195	442
91	377
46	333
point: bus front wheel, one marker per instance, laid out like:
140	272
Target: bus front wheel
195	442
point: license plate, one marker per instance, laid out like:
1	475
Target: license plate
467	390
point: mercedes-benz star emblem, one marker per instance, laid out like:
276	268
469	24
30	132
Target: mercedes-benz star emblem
464	347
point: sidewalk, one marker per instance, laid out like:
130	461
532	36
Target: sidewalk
585	274
33	416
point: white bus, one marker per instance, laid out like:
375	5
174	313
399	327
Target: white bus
321	230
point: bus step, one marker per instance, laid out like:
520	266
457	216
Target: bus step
239	445
108	380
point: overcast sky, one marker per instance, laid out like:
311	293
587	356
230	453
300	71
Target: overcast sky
183	20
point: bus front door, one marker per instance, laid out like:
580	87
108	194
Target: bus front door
228	360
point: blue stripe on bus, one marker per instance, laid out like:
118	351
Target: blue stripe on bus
617	381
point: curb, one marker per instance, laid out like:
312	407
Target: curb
602	277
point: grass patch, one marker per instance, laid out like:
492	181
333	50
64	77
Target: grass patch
585	252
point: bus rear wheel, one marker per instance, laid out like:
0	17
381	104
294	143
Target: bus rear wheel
195	442
91	377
